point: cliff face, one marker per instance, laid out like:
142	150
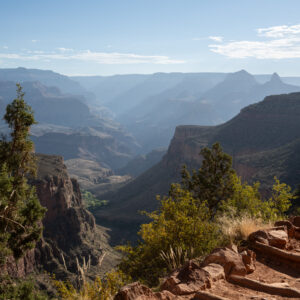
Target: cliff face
70	232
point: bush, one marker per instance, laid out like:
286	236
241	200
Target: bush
180	223
20	290
99	289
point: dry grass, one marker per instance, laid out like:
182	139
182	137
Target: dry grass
237	229
176	257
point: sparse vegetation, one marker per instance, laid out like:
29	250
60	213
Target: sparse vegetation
17	289
209	208
99	289
91	202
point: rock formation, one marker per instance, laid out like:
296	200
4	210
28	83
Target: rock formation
71	240
268	268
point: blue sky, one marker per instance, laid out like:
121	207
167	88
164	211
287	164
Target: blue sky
104	37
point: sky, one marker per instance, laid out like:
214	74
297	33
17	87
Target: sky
106	37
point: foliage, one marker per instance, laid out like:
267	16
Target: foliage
20	290
91	202
212	183
20	209
180	223
295	208
247	200
99	289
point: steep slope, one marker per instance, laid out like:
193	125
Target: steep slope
141	163
263	140
70	232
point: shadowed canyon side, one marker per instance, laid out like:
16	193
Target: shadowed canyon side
264	140
70	232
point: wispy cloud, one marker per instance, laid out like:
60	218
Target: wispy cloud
34	41
91	56
62	49
277	42
216	38
279	31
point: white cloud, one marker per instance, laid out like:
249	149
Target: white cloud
277	42
96	57
62	49
5	47
34	41
216	38
279	31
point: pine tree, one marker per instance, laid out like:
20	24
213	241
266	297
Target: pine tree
20	210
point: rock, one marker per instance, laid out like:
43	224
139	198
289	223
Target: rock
278	238
214	272
249	258
231	261
260	236
290	227
137	291
296	221
190	279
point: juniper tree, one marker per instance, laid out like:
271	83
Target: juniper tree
214	181
20	209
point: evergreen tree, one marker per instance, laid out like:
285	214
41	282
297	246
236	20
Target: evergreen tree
214	181
20	209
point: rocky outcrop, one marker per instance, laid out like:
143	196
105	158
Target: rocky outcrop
71	239
268	267
193	278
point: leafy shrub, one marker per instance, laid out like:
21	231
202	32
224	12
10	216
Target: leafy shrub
91	202
180	223
19	290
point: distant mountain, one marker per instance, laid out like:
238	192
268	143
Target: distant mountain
142	163
205	98
264	140
107	88
68	128
46	77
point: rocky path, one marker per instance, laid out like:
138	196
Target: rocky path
269	268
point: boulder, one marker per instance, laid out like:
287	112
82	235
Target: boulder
231	261
296	221
276	237
137	291
259	236
249	258
289	226
189	279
